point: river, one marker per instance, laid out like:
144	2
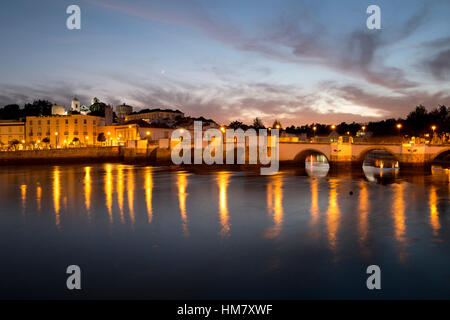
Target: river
149	232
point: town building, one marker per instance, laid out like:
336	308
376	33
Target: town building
75	105
152	114
11	132
58	110
63	130
122	111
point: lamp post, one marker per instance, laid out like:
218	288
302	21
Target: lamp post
57	139
314	129
433	128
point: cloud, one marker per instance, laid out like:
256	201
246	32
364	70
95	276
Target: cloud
439	65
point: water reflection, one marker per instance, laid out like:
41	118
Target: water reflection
87	188
130	194
275	205
109	190
316	165
380	175
314	201
120	190
311	223
222	181
56	195
398	212
148	193
38	196
363	213
434	214
23	195
182	195
333	215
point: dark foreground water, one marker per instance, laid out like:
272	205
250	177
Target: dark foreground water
145	232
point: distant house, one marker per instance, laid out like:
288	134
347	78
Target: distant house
153	114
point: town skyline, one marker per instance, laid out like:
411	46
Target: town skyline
299	62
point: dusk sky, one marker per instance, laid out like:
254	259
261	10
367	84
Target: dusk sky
296	61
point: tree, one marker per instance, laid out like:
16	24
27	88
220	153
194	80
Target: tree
38	108
276	124
237	125
10	112
101	137
15	143
258	124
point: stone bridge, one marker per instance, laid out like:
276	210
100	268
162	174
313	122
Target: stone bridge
354	153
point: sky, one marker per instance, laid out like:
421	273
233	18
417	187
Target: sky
292	60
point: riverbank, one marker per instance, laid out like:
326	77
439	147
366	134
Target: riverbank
56	156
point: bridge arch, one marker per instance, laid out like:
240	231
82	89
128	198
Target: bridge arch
362	155
439	153
301	156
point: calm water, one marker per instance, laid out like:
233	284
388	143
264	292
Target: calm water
145	232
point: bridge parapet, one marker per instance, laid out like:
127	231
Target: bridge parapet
348	152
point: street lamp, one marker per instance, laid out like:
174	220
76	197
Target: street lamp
57	139
363	128
333	127
399	127
222	128
277	126
433	128
314	129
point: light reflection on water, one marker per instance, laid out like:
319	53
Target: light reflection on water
143	223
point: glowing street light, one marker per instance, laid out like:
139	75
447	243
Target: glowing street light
222	128
147	133
433	128
363	128
277	126
399	126
333	127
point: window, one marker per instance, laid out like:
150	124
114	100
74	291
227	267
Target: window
76	121
85	122
48	122
39	122
67	121
31	123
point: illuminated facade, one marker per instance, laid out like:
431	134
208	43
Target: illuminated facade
155	114
10	131
63	130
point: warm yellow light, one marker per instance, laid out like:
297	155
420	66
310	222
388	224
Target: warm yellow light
333	127
314	128
364	128
39	141
129	127
23	141
56	133
399	126
109	133
120	136
433	128
87	138
348	132
181	130
277	126
222	129
148	133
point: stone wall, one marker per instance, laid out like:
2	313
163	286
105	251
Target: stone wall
92	154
